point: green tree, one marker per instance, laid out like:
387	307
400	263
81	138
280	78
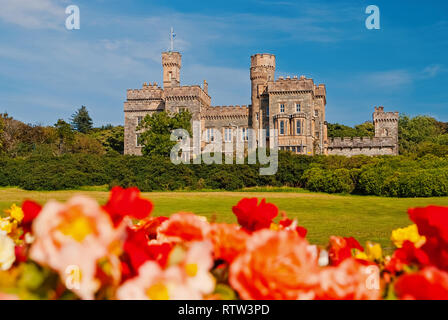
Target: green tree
65	135
81	120
366	129
156	131
414	131
2	130
111	138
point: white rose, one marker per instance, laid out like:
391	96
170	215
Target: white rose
7	252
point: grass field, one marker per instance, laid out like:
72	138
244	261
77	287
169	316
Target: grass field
364	217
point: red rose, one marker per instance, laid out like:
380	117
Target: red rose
406	255
342	248
137	251
427	284
30	210
253	216
127	202
432	222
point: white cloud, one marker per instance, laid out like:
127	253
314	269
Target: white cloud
33	14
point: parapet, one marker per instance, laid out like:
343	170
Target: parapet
187	93
171	59
294	84
380	115
225	112
361	142
262	60
149	92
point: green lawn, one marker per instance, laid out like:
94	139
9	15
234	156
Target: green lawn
364	217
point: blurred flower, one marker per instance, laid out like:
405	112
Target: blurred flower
15	213
229	240
187	280
137	250
407	234
78	234
127	202
343	248
275	265
427	284
374	251
7	252
184	227
350	280
197	264
31	210
253	216
289	224
407	255
6	225
432	222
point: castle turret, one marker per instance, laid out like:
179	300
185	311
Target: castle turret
262	70
386	125
172	62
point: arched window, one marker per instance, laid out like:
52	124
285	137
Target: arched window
282	127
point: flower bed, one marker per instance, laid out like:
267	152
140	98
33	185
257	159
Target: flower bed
81	250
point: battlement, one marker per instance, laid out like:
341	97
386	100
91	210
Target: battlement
262	60
361	142
171	59
288	85
225	112
187	93
380	116
148	92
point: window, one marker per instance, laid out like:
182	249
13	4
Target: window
182	109
282	127
267	111
257	116
298	108
137	140
227	135
316	113
210	135
170	76
282	108
139	120
299	127
244	134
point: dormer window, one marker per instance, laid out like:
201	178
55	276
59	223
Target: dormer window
282	108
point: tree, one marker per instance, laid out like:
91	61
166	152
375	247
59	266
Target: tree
366	129
65	134
81	120
157	129
111	138
417	130
2	129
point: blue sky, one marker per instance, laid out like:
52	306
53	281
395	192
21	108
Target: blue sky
46	71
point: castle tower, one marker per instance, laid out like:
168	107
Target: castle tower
172	62
262	70
386	125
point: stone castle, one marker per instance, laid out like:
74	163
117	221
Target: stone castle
294	106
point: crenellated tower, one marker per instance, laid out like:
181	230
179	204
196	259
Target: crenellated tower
262	70
172	62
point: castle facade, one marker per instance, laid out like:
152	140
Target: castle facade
294	106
